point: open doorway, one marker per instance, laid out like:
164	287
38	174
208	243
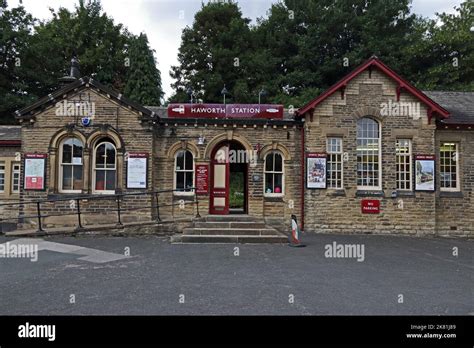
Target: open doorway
229	171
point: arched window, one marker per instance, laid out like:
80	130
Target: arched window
274	175
71	165
105	167
368	155
184	171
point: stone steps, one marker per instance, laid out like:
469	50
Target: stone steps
230	224
233	239
230	229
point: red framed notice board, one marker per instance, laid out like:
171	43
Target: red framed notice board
35	169
202	179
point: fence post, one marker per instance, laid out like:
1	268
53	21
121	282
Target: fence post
157	202
38	210
118	211
197	204
79	214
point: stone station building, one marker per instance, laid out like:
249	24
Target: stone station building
372	154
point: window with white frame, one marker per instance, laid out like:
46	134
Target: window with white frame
404	164
71	166
15	177
105	167
334	165
369	175
274	175
2	176
449	166
184	172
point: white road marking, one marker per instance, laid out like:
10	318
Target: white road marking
88	254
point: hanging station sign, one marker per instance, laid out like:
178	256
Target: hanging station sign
268	111
35	168
202	179
137	170
424	172
316	170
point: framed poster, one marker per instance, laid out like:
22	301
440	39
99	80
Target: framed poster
35	168
316	170
425	172
202	179
137	170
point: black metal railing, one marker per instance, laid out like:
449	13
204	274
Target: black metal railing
115	199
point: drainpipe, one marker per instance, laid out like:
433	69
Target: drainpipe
303	159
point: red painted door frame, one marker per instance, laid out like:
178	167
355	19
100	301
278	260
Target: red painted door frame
220	192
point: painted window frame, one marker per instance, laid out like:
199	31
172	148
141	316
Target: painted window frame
94	168
334	157
379	153
61	166
3	175
273	172
442	165
15	172
176	171
398	163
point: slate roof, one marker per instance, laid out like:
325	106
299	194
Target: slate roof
10	135
459	104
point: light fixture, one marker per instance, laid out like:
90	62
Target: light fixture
201	140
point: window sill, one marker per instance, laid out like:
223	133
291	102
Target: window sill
405	194
274	198
369	193
336	192
185	197
451	194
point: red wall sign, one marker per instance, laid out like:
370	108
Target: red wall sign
202	179
222	111
370	206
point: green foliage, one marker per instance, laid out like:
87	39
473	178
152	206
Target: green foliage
15	30
143	79
298	51
46	48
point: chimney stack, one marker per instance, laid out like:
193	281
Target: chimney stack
74	74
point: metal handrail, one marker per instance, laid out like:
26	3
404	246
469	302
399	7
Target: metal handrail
116	198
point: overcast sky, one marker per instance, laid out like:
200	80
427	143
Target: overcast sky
163	20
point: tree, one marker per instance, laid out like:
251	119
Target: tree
143	79
213	52
45	49
443	56
15	30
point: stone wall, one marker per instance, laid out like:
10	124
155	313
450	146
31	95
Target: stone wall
171	138
455	210
339	211
44	133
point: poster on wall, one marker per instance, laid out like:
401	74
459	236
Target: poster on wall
35	167
424	172
202	179
137	170
316	170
